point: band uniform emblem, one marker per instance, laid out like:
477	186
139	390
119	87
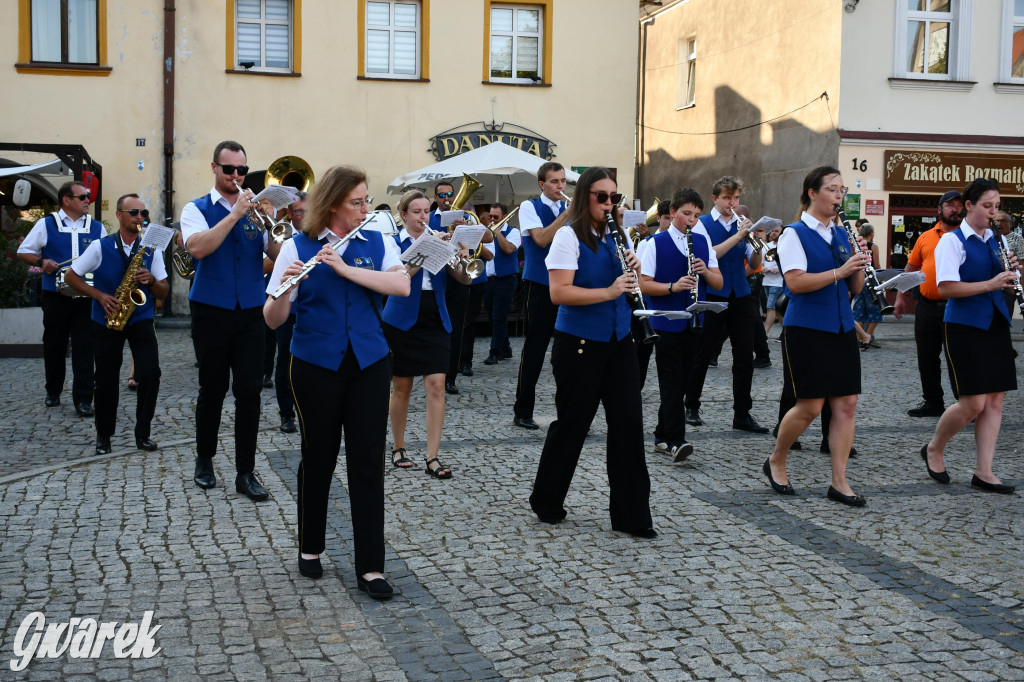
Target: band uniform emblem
250	231
363	262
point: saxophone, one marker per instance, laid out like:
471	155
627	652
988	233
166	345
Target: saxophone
128	293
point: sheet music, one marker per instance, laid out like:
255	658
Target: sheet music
156	237
904	282
668	314
767	223
449	217
632	218
707	306
281	196
469	236
429	253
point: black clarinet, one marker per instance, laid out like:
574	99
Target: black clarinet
635	300
691	260
1018	290
870	276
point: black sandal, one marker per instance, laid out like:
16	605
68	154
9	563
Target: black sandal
436	473
402	462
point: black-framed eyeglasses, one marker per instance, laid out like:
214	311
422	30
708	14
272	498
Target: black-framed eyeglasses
81	197
134	212
603	197
229	169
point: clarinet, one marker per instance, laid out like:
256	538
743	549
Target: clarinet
695	324
1018	290
635	300
870	276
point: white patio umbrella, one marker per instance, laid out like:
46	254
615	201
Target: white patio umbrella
500	168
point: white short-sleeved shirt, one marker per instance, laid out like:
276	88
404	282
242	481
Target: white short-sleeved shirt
791	250
770	269
91	260
565	249
514	237
649	254
35	240
290	253
950	253
193	221
528	218
716	215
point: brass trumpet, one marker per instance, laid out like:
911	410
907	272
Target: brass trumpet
277	231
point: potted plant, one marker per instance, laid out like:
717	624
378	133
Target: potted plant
21	318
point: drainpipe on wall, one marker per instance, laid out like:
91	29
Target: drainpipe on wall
641	95
168	198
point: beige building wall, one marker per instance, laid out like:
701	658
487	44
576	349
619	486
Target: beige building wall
758	62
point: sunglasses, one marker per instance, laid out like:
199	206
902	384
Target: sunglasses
81	197
603	197
446	195
229	169
134	212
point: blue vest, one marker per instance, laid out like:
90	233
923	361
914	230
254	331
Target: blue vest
58	246
434	223
828	308
669	267
403	311
605	321
506	263
734	274
982	263
331	312
535	270
232	276
107	277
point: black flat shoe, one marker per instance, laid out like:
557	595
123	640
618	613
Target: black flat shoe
693	418
492	359
84	410
796	446
52	400
204	477
250	486
466	370
940	476
288	426
646	533
747	423
102	446
777	487
1001	488
145	444
526	423
450	388
852	500
378	588
310	568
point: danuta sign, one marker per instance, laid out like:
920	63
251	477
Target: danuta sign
936	172
455	141
82	638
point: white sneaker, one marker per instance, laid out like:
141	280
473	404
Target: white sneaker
660	446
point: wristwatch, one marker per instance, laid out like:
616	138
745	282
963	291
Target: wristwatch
39	263
670	287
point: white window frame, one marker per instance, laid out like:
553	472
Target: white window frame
1009	21
391	29
687	58
514	34
263	23
958	60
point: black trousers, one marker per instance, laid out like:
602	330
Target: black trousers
269	348
108	348
498	301
283	387
328	402
739	319
928	335
229	346
65	319
456	299
588	374
540	326
476	298
674	360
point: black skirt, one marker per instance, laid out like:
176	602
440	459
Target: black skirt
821	364
423	349
981	360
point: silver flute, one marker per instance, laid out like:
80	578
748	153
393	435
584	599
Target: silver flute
287	284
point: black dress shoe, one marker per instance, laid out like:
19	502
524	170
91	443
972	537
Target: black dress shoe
378	588
796	446
777	487
492	359
250	486
145	444
693	418
551	517
713	362
747	423
204	477
852	500
310	568
991	487
526	423
507	355
52	400
762	363
84	410
288	426
940	476
927	409
267	381
103	446
466	370
826	450
646	533
450	388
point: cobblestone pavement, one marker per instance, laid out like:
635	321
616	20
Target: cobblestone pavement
926	582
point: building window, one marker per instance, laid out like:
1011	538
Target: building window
263	35
393	39
65	32
933	39
686	88
1011	62
517	35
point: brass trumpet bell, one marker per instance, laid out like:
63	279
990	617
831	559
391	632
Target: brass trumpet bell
652	213
469	187
291	171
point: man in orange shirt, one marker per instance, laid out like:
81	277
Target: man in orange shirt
930	307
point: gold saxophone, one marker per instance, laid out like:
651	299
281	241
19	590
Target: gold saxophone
128	293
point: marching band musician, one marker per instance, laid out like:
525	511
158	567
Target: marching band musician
821	268
594	362
108	259
502	275
283	334
670	284
54	241
477	289
419	331
226	299
339	366
970	275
